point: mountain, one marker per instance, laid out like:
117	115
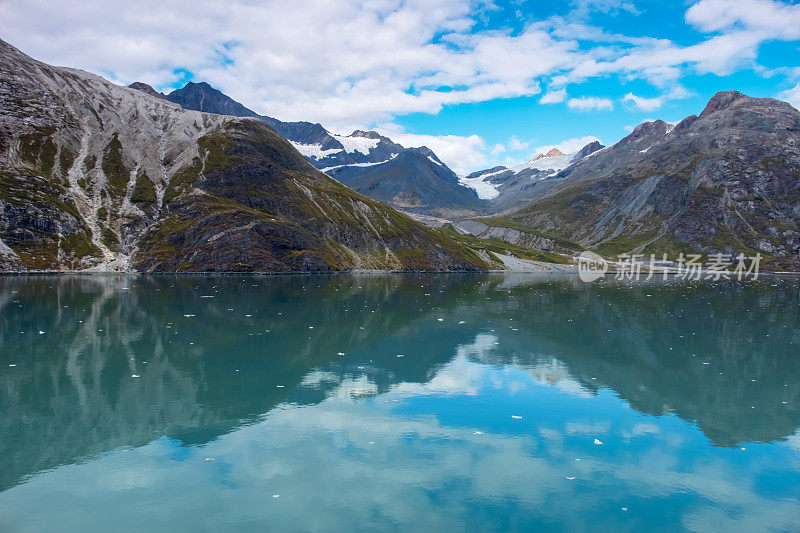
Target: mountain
203	97
414	180
98	176
363	159
726	181
139	86
508	187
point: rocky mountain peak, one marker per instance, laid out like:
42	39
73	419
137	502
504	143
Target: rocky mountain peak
367	134
145	88
203	97
590	148
555	152
724	99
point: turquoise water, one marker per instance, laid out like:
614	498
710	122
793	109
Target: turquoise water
388	402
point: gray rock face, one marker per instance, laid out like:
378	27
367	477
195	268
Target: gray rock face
203	97
725	181
98	176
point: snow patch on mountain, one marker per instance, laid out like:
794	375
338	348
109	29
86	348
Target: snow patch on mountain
358	164
485	190
314	150
357	144
435	161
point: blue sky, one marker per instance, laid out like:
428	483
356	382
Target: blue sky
481	82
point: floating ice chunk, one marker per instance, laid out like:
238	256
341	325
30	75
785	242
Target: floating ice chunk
207	296
280	386
570	477
310	327
14	364
399	355
42	333
188	316
624	508
135	375
462	322
440	319
276	495
209	459
597	442
478	432
516	417
339	353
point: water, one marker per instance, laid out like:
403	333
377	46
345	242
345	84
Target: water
421	403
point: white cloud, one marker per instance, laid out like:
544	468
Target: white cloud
515	144
774	19
791	95
498	149
554	96
461	154
352	64
643	104
589	103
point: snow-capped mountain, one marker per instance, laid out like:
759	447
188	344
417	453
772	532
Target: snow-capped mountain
507	187
412	179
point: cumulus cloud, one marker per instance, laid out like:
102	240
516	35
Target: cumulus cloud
460	153
791	95
652	104
643	104
590	103
515	144
498	149
353	64
554	96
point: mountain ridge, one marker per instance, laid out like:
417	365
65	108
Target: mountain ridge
95	176
354	158
724	181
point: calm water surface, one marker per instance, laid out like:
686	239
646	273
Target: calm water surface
416	403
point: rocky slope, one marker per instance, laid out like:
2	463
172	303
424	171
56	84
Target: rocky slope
411	179
97	176
725	181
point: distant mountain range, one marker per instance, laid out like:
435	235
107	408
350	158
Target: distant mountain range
413	180
98	176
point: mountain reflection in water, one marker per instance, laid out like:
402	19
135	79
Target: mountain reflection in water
97	364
